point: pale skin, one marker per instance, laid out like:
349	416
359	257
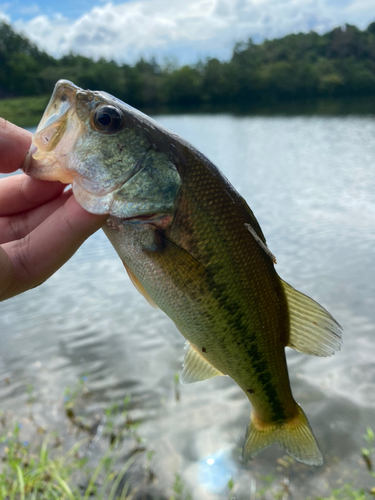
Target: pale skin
41	226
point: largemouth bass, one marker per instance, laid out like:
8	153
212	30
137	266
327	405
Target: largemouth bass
192	247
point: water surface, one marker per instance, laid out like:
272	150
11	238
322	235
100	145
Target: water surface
310	183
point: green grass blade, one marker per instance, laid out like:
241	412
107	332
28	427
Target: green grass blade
124	492
21	482
95	475
13	491
43	456
64	486
119	477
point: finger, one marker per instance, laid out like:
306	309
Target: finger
20	193
16	227
36	257
14	144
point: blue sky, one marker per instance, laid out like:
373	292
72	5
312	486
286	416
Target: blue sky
185	30
71	9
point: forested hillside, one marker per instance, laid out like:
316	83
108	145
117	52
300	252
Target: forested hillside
338	63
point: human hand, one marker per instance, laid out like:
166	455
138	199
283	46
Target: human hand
41	226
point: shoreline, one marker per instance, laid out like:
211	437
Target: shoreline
27	111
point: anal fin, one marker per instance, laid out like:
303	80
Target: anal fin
196	368
139	287
312	329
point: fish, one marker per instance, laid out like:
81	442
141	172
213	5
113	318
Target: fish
192	247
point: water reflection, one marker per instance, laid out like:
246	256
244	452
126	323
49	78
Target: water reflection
215	471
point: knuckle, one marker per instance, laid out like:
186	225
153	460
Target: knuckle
21	190
18	225
68	223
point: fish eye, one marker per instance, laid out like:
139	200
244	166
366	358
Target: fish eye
107	119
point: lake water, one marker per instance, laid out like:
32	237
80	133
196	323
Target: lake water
311	183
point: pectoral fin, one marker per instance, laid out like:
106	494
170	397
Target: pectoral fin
312	329
196	368
139	287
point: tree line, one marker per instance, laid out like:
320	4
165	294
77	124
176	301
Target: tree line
295	67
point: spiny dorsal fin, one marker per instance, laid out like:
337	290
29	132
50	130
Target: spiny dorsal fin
196	368
139	287
312	329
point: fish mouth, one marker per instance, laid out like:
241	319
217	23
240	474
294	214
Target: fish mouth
55	138
55	155
58	129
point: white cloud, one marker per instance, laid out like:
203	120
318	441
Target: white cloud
3	15
187	29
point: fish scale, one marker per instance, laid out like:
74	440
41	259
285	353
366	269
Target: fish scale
193	247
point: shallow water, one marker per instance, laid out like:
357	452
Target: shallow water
310	182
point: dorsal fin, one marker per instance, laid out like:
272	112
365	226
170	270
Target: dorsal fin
196	368
139	287
312	329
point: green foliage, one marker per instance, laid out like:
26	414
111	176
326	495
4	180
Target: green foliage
24	111
346	492
46	470
298	66
183	86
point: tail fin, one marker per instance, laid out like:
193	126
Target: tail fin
295	436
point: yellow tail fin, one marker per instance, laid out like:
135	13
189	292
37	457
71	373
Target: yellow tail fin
295	436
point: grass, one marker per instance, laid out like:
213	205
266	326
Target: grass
24	111
45	470
94	468
45	474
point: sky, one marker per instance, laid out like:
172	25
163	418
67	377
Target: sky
182	31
